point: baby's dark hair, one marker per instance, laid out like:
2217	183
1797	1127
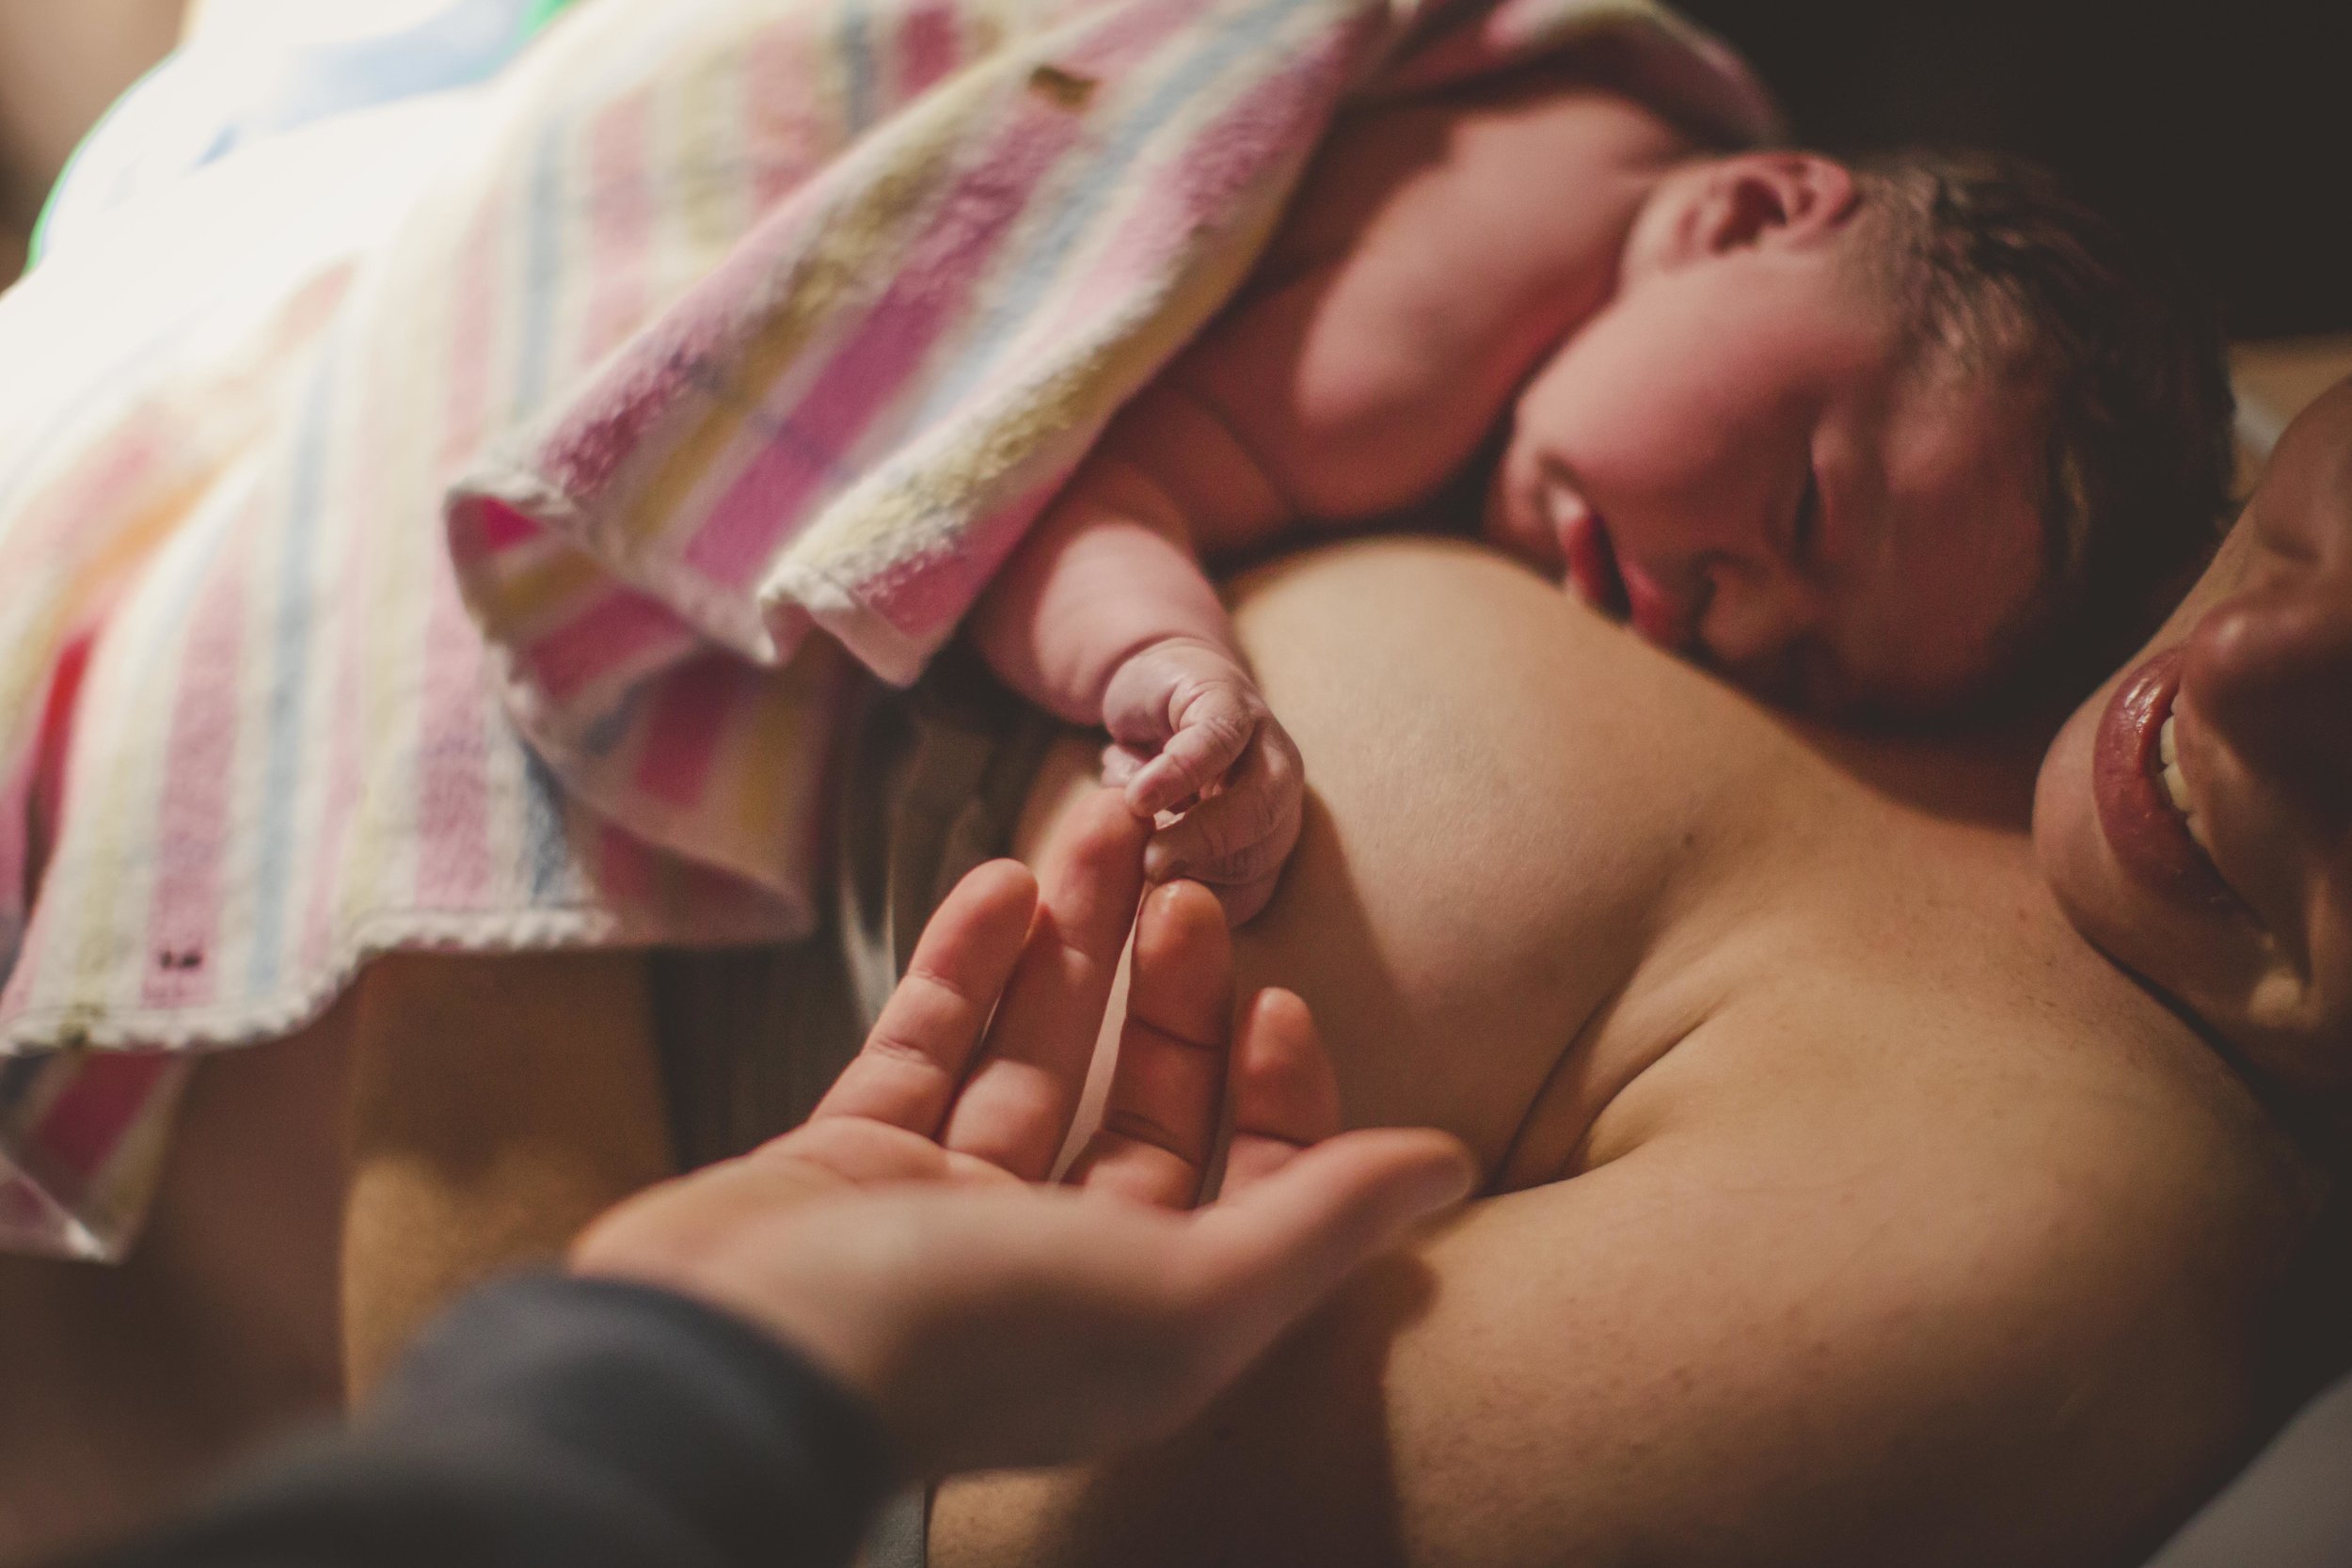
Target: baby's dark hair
1992	259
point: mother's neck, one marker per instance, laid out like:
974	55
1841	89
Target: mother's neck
1982	774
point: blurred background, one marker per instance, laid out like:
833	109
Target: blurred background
2225	130
61	63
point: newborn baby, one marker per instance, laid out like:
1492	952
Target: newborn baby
1867	438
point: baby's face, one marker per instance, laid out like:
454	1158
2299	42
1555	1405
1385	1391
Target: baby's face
1741	458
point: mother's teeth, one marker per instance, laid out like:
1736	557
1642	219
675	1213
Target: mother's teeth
2176	783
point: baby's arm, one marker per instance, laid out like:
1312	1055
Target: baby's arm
1104	615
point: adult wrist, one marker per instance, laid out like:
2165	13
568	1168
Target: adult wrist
714	1418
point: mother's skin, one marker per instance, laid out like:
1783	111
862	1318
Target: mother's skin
1900	1226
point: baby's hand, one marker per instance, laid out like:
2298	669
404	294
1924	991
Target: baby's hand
1191	733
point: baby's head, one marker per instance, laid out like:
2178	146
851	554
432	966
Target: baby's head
1875	436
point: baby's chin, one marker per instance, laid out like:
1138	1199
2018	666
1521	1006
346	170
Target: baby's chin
1515	530
1516	534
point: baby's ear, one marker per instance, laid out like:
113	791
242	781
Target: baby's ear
1753	200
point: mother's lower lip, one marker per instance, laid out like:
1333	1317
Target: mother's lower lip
2148	836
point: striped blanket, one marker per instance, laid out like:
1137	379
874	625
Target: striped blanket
474	541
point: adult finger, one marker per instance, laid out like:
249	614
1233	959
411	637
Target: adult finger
1262	1258
1018	1102
1284	1092
917	1053
1159	1120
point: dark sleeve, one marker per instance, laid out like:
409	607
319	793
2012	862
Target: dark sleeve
585	1423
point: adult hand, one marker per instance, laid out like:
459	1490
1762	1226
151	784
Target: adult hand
904	1236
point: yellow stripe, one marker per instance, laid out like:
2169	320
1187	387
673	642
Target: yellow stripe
964	477
853	250
531	596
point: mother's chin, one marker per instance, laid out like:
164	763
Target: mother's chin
2137	882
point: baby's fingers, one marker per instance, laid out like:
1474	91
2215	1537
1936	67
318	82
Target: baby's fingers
1216	731
1122	763
1236	842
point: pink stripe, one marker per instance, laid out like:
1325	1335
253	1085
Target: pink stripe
450	780
492	527
475	272
32	803
87	1120
45	808
1258	134
619	630
786	142
682	733
928	47
770	498
686	350
619	220
193	813
625	869
934	589
1248	145
786	138
604	426
452	801
360	487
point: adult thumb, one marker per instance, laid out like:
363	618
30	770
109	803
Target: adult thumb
1274	1251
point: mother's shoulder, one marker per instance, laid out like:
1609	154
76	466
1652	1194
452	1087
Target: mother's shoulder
1459	615
1393	569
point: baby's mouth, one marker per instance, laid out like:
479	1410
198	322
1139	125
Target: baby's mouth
1592	560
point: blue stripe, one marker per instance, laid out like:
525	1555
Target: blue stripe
546	852
856	49
1107	172
290	670
455	47
612	726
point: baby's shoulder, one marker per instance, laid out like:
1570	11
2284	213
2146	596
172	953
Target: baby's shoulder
1474	154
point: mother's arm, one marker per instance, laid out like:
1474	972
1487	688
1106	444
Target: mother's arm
1873	1323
